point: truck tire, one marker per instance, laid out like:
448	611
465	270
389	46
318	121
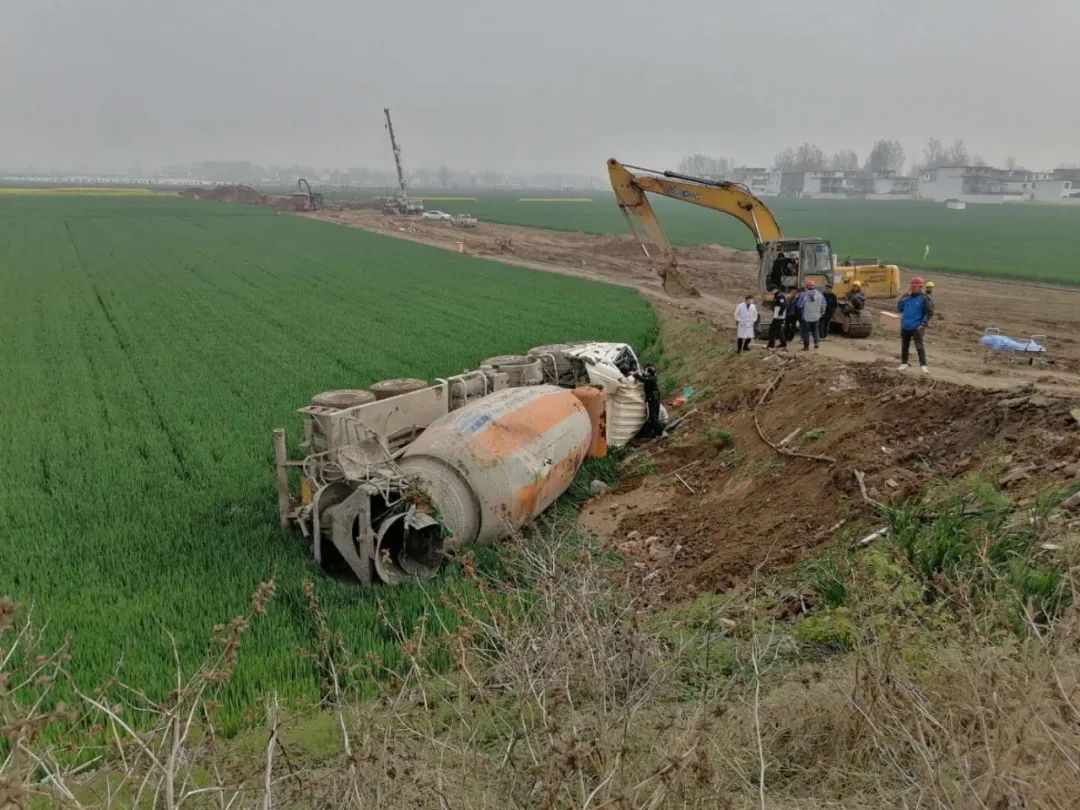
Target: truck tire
396	387
343	398
520	368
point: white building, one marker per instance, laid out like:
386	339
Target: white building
844	185
973	184
825	185
1053	190
984	184
761	182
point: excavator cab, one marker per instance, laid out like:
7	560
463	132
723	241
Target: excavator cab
787	264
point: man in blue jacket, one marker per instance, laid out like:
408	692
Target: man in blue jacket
915	313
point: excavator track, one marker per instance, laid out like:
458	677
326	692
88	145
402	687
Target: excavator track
761	328
859	325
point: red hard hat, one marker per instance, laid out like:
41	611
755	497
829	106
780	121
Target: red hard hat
916	280
810	284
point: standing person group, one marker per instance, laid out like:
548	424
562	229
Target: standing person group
746	316
916	309
814	310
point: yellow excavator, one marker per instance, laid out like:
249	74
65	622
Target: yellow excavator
786	263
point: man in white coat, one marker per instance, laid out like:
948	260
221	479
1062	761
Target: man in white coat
745	318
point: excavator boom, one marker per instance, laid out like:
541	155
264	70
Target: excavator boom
726	197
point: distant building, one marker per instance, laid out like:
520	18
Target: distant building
1053	189
973	184
1072	175
761	182
985	184
848	184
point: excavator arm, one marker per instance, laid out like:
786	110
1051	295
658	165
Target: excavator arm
728	198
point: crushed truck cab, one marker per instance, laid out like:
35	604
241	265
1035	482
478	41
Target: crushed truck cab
392	476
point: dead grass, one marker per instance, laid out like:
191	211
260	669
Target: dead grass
562	689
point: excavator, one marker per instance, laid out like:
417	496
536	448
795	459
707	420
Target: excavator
787	263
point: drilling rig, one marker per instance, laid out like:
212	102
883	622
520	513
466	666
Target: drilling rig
400	204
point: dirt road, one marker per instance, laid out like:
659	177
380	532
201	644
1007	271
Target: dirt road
965	306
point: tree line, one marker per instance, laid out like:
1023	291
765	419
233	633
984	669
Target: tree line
887	154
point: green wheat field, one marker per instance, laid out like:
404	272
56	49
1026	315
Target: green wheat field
150	346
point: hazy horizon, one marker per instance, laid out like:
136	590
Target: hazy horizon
120	83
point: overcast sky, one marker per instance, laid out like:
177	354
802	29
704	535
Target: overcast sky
547	85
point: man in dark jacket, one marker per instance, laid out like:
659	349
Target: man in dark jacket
830	310
652	427
791	320
915	313
779	316
776	273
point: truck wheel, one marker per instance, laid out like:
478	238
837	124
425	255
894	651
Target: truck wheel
343	398
396	387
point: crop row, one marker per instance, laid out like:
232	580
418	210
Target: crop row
150	348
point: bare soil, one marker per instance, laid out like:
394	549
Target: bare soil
965	305
226	193
738	504
704	508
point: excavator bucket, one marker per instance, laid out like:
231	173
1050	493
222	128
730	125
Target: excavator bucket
635	206
676	285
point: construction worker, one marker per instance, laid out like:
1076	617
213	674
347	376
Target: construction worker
779	316
811	305
745	317
830	310
929	290
649	381
856	298
915	310
776	274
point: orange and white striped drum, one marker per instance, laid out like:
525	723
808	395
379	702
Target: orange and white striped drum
496	463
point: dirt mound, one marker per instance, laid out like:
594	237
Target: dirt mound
226	193
616	247
705	507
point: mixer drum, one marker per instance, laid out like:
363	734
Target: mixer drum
496	463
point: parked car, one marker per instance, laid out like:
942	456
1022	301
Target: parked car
440	216
463	221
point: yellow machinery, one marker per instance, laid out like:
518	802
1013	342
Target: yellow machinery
803	258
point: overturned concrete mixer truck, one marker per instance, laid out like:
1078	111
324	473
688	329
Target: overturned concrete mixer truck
393	475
